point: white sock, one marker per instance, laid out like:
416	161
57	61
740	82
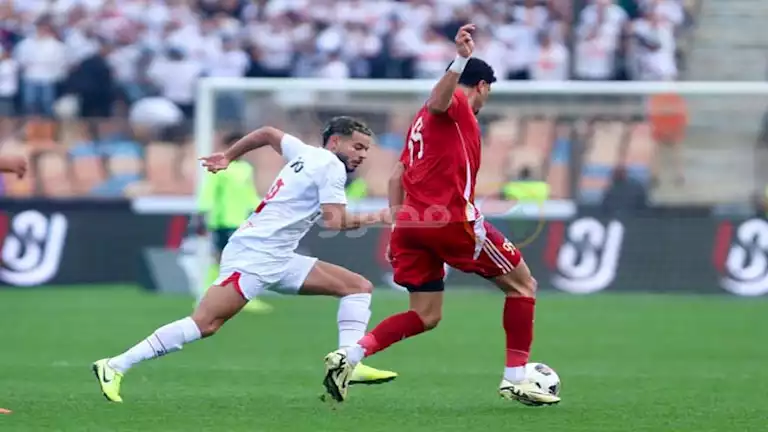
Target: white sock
167	339
354	314
355	354
514	374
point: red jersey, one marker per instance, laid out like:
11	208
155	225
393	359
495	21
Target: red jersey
441	158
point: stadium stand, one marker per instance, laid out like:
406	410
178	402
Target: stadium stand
150	53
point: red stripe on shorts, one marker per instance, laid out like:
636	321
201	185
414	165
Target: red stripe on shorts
234	279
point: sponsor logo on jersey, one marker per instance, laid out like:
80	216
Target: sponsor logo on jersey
584	256
741	257
31	246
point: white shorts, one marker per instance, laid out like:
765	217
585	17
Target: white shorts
251	272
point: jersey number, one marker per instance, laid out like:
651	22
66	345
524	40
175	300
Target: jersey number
416	140
270	194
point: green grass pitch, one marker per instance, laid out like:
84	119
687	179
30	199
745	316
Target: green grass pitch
628	363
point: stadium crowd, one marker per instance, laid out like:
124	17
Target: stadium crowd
134	59
100	50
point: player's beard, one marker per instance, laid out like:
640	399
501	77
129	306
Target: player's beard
345	160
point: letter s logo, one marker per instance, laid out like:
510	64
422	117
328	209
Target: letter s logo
746	266
31	252
588	259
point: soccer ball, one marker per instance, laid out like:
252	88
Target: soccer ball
543	376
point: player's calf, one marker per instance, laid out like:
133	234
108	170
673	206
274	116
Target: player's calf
517	319
429	307
517	283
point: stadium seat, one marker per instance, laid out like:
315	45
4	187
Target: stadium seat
534	147
54	175
267	163
601	158
88	168
641	151
558	175
162	167
377	169
498	142
188	172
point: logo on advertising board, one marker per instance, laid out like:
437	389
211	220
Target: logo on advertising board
742	259
585	256
31	246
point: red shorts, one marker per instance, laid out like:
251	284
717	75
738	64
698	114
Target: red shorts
418	253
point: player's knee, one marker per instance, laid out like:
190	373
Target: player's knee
355	285
430	318
208	326
523	287
362	286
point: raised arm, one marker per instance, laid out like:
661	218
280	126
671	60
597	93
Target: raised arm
442	94
263	136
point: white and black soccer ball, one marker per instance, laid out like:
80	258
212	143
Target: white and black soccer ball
543	376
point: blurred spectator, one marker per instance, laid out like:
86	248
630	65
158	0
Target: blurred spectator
176	76
625	194
92	81
433	55
551	60
44	63
334	68
654	46
596	43
9	83
229	62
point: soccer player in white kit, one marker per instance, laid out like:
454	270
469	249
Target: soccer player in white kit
261	255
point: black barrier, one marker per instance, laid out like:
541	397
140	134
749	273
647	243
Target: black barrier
74	242
52	242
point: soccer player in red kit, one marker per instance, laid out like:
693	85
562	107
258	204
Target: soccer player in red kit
432	193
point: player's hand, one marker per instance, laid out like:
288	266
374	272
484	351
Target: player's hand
386	216
388	254
215	162
465	46
15	164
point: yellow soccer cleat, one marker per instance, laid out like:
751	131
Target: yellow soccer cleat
109	380
338	371
369	376
258	306
527	393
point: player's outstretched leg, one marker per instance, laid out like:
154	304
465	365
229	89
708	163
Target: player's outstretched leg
218	305
424	314
354	293
519	304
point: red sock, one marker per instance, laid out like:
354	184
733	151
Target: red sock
518	325
392	330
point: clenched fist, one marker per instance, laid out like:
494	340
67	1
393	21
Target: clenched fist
465	46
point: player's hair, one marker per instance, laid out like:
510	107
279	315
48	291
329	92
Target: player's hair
344	126
476	70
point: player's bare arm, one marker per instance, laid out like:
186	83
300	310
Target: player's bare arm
442	93
336	217
263	136
13	164
396	193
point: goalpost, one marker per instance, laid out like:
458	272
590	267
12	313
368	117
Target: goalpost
723	118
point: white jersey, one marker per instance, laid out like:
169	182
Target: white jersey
311	177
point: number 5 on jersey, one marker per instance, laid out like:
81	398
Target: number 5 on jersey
270	194
416	140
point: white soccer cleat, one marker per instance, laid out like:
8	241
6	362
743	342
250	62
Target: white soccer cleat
527	393
338	372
